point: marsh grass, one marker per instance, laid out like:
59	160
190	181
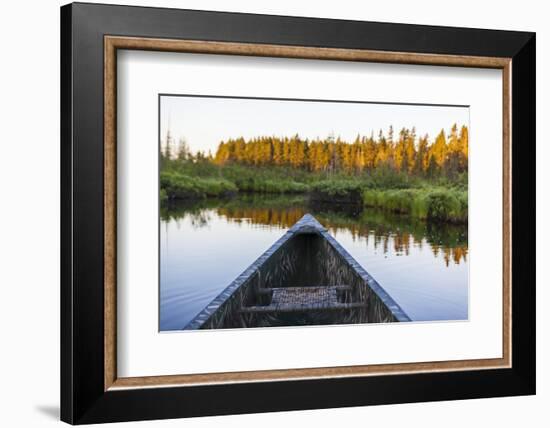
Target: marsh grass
339	191
439	200
441	204
178	186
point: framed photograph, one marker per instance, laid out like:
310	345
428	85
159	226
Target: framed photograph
265	213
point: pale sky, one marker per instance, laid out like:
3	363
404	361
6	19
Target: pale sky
205	121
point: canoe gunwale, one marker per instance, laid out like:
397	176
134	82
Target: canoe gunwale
306	225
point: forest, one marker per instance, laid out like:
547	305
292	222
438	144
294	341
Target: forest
408	154
404	173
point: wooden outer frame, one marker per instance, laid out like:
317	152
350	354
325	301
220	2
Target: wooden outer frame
114	43
85	317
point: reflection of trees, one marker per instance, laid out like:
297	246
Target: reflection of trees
264	216
400	232
282	211
199	216
384	230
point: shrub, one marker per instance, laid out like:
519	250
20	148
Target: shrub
179	186
337	191
163	196
433	204
447	206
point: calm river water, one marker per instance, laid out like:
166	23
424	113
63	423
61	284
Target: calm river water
206	245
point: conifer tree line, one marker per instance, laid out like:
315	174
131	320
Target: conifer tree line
404	153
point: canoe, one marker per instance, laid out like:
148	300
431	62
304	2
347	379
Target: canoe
305	278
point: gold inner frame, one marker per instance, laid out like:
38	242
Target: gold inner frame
113	43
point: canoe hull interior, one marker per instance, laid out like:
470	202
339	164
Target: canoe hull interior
306	278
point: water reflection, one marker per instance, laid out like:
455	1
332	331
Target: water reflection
206	244
449	241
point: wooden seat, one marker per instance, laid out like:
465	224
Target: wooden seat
298	299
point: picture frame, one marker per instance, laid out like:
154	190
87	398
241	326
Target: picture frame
91	390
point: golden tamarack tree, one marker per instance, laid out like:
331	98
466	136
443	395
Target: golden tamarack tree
407	153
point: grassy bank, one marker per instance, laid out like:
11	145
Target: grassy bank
244	179
339	191
438	200
178	186
441	204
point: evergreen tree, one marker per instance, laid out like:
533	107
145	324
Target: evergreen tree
168	146
183	150
432	167
463	144
442	156
421	159
439	149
